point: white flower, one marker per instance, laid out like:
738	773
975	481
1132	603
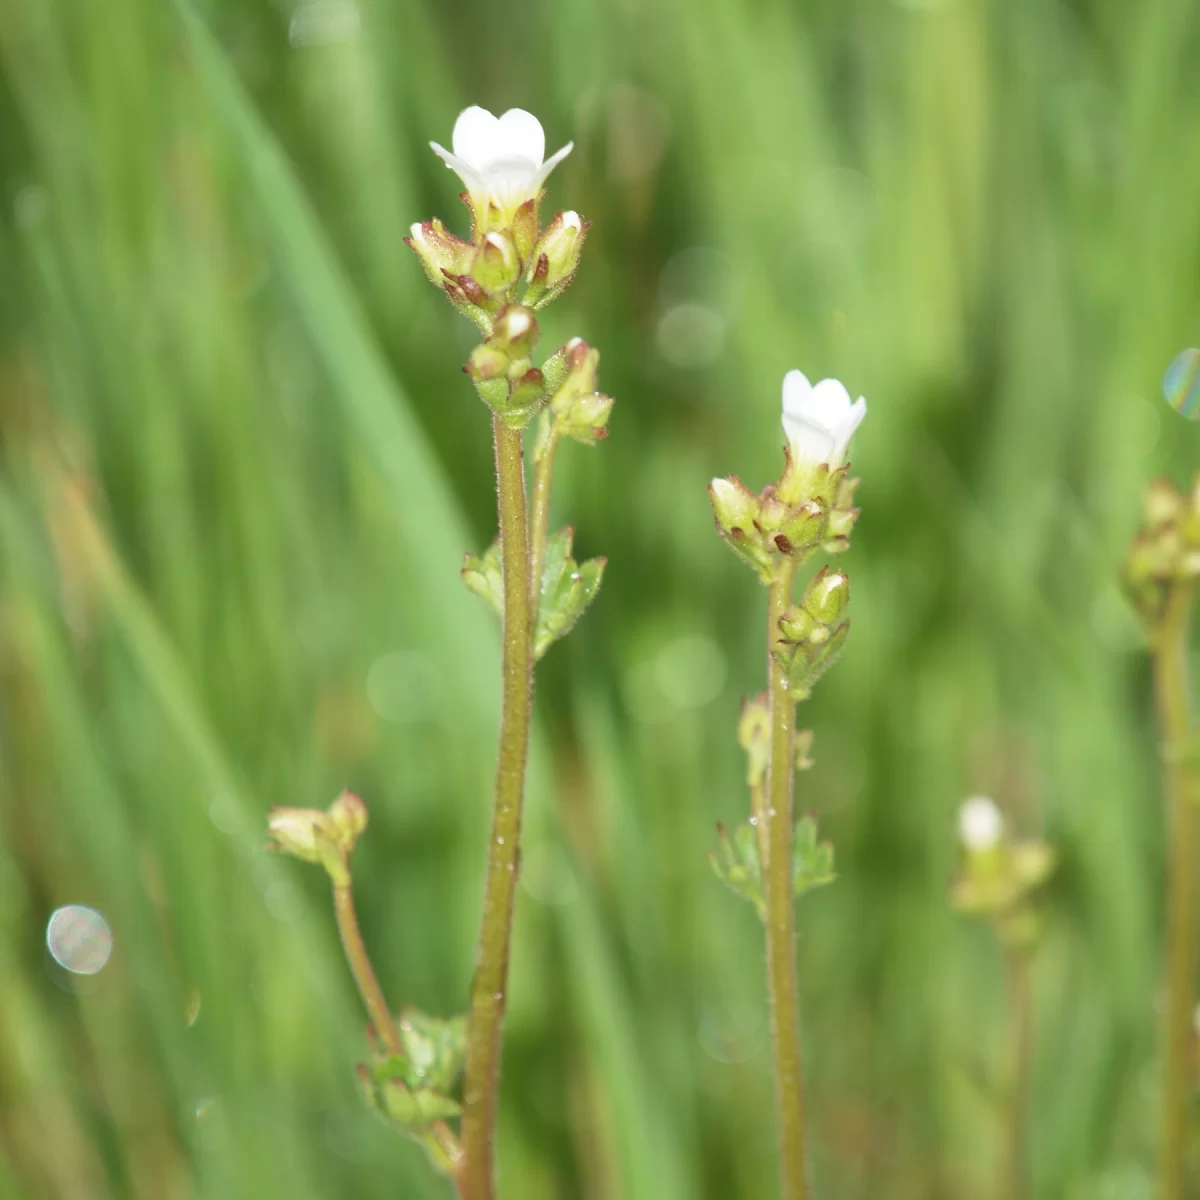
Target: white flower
980	823
500	158
819	421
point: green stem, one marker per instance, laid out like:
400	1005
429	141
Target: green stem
1021	1018
543	470
781	937
360	967
1174	710
489	988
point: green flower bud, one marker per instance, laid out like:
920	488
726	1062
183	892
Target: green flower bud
311	836
441	253
487	362
735	507
497	266
827	596
349	816
802	528
515	331
555	258
796	625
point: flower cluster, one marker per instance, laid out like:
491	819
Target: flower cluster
511	267
1166	549
1000	876
811	507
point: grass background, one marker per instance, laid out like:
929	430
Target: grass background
239	469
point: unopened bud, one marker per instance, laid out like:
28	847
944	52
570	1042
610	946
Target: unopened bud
497	266
309	835
555	258
349	816
802	528
735	506
827	596
486	362
796	625
441	253
515	331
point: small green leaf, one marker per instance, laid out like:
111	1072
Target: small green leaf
739	865
566	589
812	861
481	573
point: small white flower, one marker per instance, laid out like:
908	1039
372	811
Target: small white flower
500	158
980	823
819	421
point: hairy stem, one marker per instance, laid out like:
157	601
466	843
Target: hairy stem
781	939
489	988
1021	1019
360	967
1174	711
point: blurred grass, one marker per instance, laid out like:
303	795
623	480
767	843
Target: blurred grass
239	468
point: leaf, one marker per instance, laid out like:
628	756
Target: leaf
739	865
566	589
482	575
812	861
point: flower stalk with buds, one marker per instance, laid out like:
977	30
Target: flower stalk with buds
409	1082
1160	577
999	882
772	858
508	271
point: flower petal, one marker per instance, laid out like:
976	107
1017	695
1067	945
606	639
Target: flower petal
551	163
858	410
831	400
510	180
463	169
519	134
796	389
811	441
477	137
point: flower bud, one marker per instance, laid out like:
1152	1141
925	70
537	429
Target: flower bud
796	625
486	362
515	331
311	836
802	528
827	596
555	258
735	506
497	266
441	253
349	816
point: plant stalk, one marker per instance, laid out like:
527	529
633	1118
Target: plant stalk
489	987
1021	1019
1172	692
781	934
360	966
